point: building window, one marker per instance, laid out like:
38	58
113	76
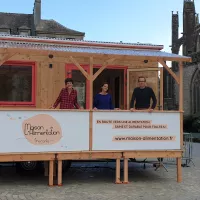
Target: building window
4	31
24	33
17	84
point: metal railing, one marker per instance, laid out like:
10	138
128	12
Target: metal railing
187	156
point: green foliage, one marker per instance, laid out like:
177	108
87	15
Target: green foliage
196	125
195	58
191	123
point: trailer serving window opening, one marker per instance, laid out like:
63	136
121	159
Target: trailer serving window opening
115	76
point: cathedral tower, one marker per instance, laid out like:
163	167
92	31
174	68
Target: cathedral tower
189	22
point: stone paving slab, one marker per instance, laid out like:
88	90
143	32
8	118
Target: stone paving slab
86	183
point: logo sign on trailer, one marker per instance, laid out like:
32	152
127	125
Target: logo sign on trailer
49	131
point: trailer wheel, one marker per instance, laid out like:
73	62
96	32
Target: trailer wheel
34	167
29	167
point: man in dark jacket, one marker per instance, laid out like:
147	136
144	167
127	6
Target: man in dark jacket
143	95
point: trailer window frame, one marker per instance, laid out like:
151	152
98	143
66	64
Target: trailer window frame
33	84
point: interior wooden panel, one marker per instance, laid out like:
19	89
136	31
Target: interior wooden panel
151	80
79	84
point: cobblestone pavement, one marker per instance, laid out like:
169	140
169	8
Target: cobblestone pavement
85	183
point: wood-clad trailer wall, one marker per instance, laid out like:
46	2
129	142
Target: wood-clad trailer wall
131	63
49	81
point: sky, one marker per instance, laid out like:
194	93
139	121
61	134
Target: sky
144	21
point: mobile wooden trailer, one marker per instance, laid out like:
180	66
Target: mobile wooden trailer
32	73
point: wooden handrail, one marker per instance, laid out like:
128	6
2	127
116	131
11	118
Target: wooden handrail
86	110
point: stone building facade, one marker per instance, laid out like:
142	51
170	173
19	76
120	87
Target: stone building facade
190	42
34	25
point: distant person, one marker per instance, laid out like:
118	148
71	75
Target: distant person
142	95
67	97
103	100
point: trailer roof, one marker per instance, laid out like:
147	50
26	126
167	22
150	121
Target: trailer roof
80	42
17	43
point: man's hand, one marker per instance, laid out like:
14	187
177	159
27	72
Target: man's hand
95	108
132	109
52	107
150	110
117	109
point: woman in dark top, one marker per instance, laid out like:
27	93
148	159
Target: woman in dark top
103	100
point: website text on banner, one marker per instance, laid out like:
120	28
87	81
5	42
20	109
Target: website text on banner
136	131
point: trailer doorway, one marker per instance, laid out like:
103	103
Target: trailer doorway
116	78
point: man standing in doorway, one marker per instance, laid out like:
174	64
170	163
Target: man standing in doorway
67	97
142	95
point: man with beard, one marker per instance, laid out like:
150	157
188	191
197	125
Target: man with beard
143	95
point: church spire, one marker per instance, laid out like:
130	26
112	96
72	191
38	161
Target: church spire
197	19
175	31
189	23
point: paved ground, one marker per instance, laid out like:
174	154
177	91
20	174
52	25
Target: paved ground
97	183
